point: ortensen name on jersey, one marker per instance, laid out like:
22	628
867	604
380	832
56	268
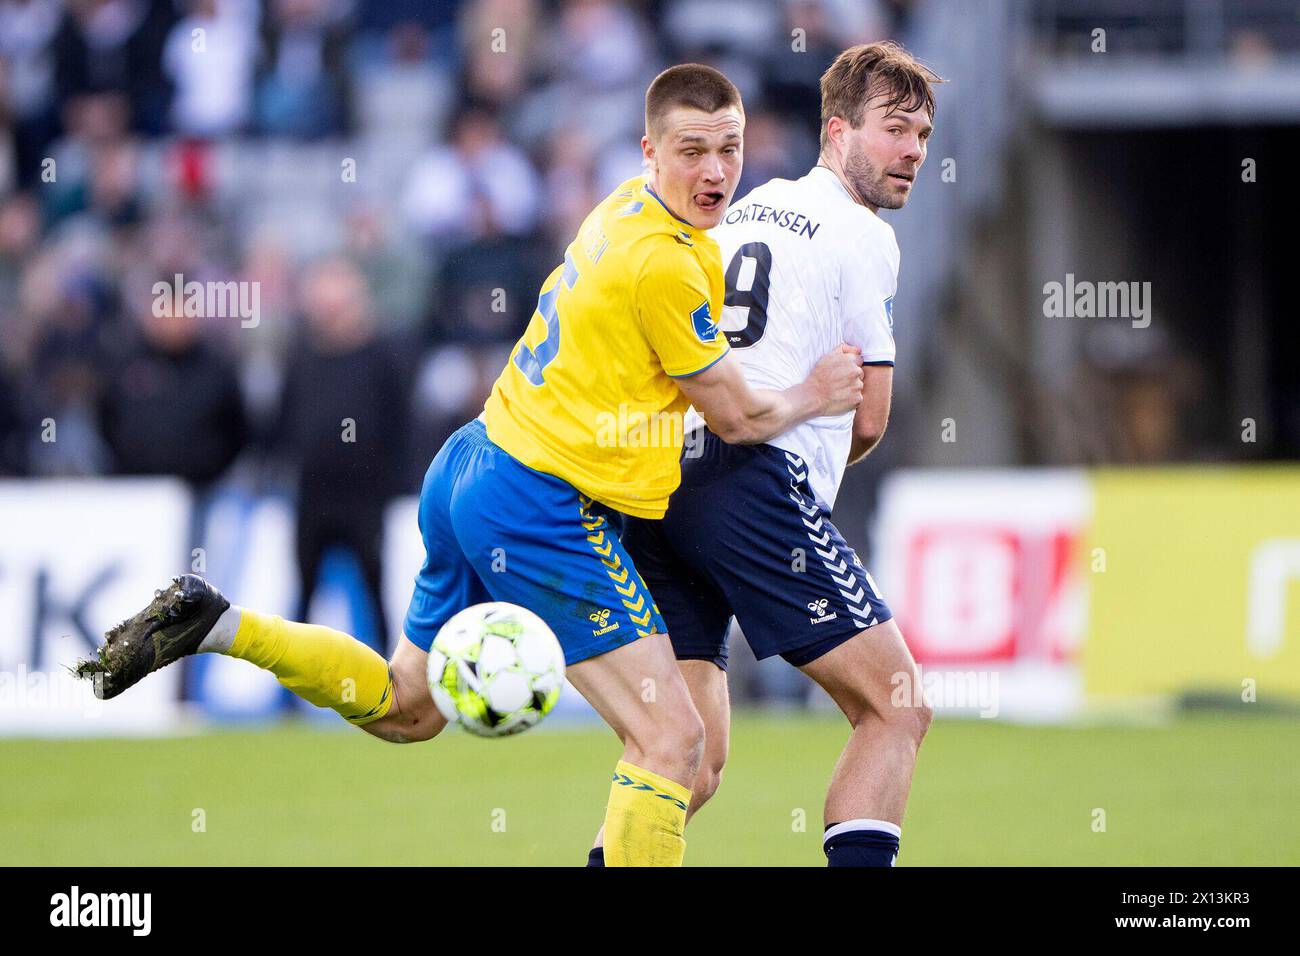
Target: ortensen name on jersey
796	222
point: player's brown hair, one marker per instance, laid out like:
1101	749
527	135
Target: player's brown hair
871	70
693	85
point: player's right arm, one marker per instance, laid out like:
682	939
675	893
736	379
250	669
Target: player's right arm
742	415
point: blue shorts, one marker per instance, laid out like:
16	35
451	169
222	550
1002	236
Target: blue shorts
744	536
497	530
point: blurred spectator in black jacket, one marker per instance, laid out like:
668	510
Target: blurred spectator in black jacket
343	417
172	404
116	45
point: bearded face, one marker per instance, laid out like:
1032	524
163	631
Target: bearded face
880	158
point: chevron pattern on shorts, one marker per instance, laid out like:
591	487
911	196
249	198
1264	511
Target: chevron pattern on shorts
627	582
841	571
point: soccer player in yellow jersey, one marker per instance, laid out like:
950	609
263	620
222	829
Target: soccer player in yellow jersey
582	428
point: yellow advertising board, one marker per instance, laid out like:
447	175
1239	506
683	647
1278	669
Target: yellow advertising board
1194	580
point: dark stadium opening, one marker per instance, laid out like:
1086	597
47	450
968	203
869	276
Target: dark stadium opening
1207	216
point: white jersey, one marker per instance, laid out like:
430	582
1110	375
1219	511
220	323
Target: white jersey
807	269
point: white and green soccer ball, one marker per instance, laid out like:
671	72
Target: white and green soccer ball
496	669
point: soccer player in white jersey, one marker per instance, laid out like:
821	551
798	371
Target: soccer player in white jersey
809	265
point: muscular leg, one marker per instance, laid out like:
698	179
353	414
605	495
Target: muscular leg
641	694
707	684
638	691
873	776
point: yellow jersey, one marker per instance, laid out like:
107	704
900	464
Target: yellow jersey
588	394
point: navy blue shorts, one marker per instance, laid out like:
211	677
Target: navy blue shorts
743	535
496	530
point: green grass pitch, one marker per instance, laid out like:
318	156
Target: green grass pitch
1200	790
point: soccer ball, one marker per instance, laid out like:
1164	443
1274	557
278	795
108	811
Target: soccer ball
496	669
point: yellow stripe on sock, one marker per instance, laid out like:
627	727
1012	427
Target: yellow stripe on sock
646	819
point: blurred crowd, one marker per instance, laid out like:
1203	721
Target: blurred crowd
394	179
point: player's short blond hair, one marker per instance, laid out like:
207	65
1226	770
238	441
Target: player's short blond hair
692	85
875	70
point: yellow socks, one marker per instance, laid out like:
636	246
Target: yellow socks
321	665
645	819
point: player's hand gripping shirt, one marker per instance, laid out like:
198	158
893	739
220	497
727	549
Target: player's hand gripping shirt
588	394
807	269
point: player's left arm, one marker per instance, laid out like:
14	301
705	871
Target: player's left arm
868	285
872	416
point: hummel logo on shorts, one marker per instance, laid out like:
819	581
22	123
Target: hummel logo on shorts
601	620
818	607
